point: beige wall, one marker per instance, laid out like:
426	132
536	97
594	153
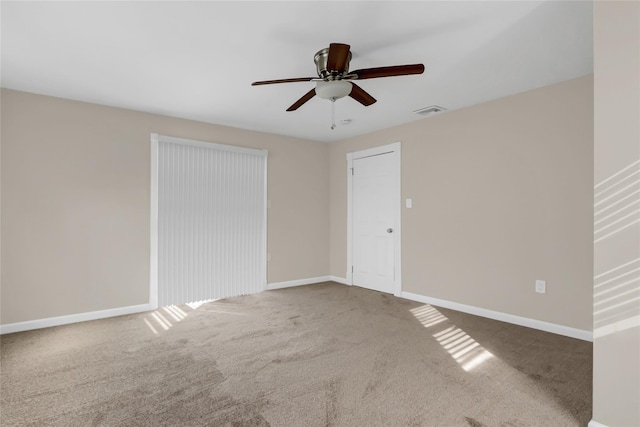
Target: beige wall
502	196
498	189
75	204
616	360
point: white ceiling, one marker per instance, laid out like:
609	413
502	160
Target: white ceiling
197	60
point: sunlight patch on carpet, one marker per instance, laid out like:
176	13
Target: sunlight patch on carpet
166	317
150	326
428	315
158	317
462	348
175	312
194	305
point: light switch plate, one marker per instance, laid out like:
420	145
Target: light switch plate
409	203
541	286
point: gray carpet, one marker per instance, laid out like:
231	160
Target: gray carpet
317	355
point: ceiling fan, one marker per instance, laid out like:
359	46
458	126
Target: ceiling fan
335	81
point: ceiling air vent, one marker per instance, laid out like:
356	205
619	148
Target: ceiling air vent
430	110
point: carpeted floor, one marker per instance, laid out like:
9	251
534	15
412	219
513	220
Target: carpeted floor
317	355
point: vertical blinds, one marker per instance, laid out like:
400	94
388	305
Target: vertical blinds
211	221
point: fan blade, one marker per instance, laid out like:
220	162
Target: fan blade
337	57
361	96
270	82
307	96
395	70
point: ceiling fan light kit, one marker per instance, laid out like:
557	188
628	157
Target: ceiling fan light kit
334	89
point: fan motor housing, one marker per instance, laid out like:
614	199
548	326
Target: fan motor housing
320	58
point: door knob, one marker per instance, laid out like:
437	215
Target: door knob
389	230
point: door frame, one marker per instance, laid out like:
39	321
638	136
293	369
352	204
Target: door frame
394	149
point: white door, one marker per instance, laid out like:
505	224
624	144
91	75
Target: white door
374	205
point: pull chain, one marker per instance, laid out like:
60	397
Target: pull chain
333	113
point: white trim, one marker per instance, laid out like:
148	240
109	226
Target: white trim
395	149
398	223
349	272
504	317
299	282
153	260
593	423
340	280
73	318
205	144
265	224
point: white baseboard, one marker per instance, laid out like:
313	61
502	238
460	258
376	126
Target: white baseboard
593	423
504	317
341	280
121	311
496	315
299	282
73	318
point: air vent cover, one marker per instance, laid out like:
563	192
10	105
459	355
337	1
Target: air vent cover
430	110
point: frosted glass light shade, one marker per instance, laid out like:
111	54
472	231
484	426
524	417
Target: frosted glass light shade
333	89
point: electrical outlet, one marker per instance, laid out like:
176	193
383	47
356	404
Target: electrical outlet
541	286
